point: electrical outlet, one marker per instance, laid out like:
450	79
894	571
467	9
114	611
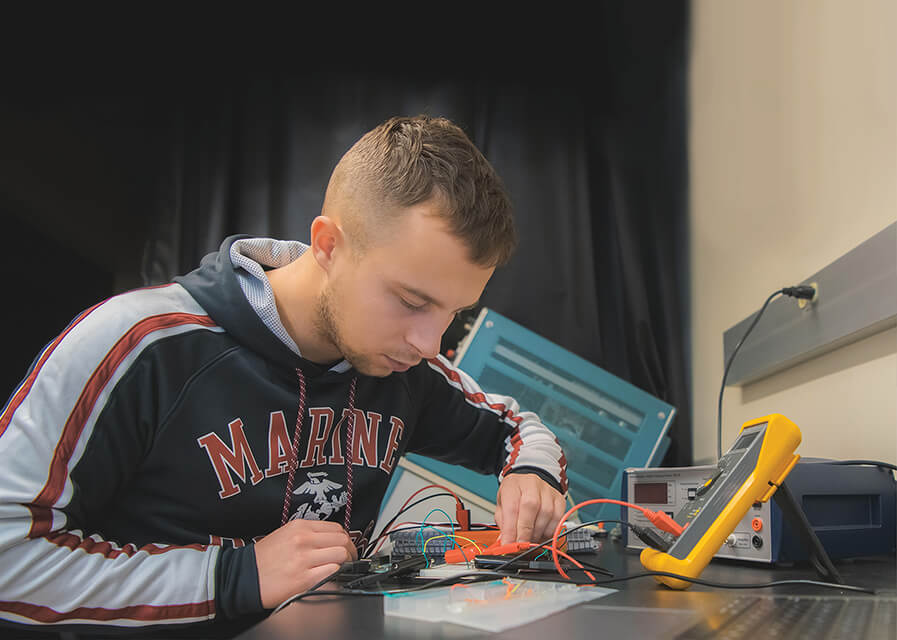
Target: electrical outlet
857	302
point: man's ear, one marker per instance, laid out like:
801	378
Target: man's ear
326	238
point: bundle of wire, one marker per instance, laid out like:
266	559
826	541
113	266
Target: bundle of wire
659	519
377	542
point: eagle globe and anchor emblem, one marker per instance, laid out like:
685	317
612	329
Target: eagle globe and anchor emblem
326	497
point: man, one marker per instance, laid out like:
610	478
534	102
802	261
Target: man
171	456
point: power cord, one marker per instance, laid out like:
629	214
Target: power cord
871	463
802	292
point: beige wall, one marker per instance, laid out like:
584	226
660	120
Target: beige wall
793	152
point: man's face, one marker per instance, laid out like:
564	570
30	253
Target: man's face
387	309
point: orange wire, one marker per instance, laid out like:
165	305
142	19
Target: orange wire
555	552
563	555
574	561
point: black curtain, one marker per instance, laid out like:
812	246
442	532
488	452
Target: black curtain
593	152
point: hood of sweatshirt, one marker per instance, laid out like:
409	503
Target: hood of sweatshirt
218	285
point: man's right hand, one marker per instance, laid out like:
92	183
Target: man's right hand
297	556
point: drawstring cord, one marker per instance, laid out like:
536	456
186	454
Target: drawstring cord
349	446
294	454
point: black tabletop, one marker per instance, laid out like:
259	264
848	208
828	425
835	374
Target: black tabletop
645	608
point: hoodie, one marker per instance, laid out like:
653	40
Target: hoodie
167	429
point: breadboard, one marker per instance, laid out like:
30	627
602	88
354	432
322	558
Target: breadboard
490	606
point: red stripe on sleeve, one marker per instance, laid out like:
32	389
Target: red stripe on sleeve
20	395
6	418
516	443
479	398
143	612
108	550
563	463
516	440
71	432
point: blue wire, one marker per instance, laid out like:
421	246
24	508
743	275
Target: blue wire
420	534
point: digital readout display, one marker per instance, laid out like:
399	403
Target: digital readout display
745	440
651	493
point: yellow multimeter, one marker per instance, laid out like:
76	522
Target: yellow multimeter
749	472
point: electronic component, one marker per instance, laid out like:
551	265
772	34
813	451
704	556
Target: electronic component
851	508
440	540
584	541
749	472
526	564
396	569
509	549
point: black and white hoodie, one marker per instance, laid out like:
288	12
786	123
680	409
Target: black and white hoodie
151	443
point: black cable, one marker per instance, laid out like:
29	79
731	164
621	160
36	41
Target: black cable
416	527
481	576
560	535
435	525
386	532
871	463
518	556
672	575
729	585
314	588
478	576
299	596
475	576
802	291
719	410
370	546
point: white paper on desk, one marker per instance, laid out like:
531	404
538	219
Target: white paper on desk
490	606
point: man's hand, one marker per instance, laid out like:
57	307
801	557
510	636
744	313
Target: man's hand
298	555
528	508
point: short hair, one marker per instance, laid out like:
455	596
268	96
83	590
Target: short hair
408	160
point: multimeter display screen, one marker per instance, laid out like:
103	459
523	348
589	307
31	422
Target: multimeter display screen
651	493
745	440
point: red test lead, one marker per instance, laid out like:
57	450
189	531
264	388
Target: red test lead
468	553
664	522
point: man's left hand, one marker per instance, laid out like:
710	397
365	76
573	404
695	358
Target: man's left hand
528	508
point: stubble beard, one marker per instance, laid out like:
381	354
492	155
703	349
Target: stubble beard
327	325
